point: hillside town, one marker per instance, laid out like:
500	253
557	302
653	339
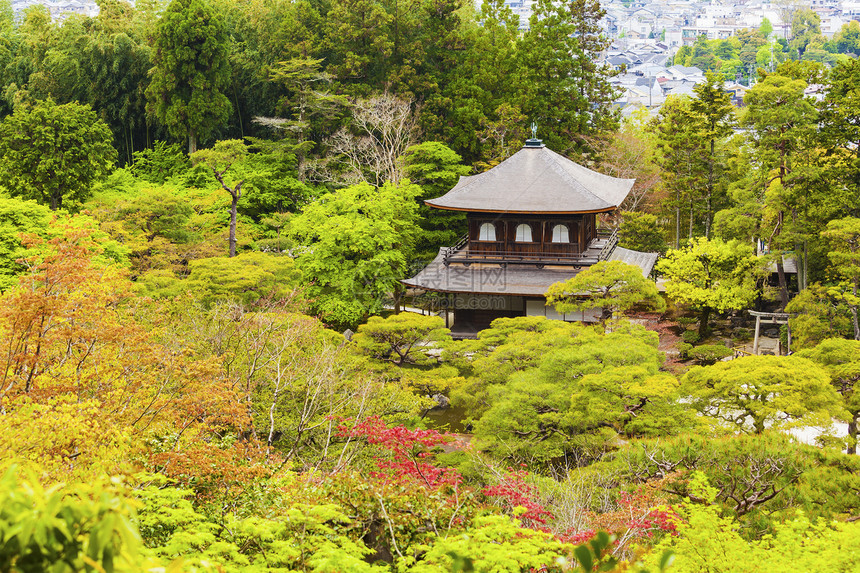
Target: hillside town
646	35
59	9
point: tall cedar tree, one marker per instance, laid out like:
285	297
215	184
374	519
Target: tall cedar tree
191	68
681	151
713	105
566	92
782	122
839	129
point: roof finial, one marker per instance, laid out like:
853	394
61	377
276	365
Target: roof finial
534	141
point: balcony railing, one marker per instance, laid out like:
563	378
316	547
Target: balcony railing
512	258
599	250
611	243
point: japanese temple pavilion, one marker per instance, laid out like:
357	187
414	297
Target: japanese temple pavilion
533	221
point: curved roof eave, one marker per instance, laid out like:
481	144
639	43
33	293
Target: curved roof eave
536	180
519	212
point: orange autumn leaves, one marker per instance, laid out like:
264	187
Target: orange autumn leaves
81	377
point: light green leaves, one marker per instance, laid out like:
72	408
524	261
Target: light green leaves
613	286
354	248
61	530
54	153
711	273
752	393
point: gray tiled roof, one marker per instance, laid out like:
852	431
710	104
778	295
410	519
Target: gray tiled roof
789	265
644	261
536	180
521	280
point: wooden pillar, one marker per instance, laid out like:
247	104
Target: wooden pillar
448	310
757	329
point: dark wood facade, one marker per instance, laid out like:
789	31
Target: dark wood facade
582	229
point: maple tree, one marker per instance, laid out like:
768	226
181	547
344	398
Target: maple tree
354	246
70	346
712	275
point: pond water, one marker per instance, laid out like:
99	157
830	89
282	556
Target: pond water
451	419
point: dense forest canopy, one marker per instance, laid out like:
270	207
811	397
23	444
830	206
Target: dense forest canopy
296	69
206	210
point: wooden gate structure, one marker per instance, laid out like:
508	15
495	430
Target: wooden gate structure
769	318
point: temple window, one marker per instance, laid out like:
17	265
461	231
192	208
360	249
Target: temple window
487	232
560	234
524	233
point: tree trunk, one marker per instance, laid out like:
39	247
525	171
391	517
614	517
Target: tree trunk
677	221
398	295
854	313
783	285
233	208
238	111
691	218
804	273
703	321
192	141
605	314
852	433
708	213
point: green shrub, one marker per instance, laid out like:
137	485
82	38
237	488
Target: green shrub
690	336
684	350
742	334
709	353
83	527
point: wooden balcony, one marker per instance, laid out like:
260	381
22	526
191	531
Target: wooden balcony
538	254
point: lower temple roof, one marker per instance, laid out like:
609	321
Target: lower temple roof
513	280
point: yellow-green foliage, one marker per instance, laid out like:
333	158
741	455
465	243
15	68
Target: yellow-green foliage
66	440
493	543
613	286
817	314
404	338
543	388
22	221
710	274
246	278
407	347
289	535
753	392
84	527
707	541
